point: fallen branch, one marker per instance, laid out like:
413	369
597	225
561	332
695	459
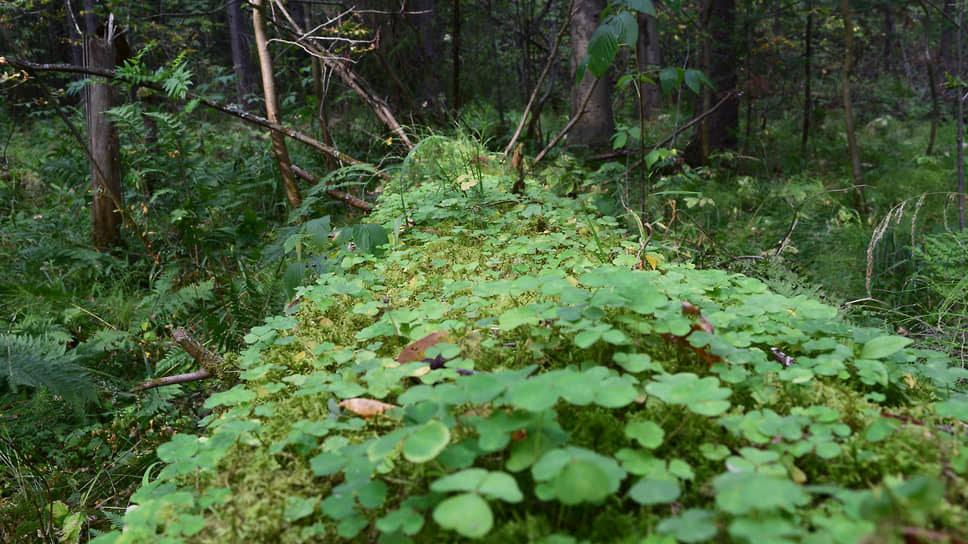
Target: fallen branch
571	123
210	363
335	193
244	115
683	128
541	78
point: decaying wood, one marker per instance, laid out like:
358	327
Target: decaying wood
210	363
335	193
241	114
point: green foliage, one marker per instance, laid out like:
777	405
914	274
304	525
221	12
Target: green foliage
40	363
577	393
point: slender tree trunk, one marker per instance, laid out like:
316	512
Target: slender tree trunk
960	123
272	106
241	62
932	77
595	125
852	151
717	131
648	56
106	203
455	50
807	96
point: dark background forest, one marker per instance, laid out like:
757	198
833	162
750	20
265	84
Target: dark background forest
174	174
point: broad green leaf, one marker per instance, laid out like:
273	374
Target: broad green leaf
642	6
426	442
669	79
647	491
326	464
883	346
633	362
181	447
692	525
742	492
602	49
467	513
500	485
465	480
581	481
298	507
372	494
628	27
956	407
702	396
646	433
534	395
338	505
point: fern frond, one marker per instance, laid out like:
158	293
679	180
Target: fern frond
37	362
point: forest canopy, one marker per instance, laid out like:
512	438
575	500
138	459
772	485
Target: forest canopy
524	270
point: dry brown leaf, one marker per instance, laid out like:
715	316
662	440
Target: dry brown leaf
416	350
366	407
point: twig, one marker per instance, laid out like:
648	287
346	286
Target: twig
796	214
244	115
683	128
541	78
571	123
210	363
335	193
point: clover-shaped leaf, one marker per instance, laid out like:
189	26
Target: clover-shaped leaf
426	442
703	396
467	513
646	433
741	492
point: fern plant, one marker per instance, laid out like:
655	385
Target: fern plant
37	362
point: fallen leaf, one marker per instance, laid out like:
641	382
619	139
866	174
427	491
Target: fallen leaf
366	407
415	351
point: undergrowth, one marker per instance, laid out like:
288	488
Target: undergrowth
519	369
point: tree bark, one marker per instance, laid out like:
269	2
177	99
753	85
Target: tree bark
960	119
852	151
101	53
455	50
272	106
807	97
719	130
241	62
647	54
594	126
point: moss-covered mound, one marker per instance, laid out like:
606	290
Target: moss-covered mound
541	377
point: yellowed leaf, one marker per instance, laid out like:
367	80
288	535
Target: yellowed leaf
366	407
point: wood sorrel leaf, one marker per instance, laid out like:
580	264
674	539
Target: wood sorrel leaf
467	513
426	442
646	433
702	396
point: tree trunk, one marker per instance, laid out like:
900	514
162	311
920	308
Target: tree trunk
807	97
718	131
932	77
960	120
103	142
595	126
455	51
272	106
648	56
241	62
426	54
852	151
